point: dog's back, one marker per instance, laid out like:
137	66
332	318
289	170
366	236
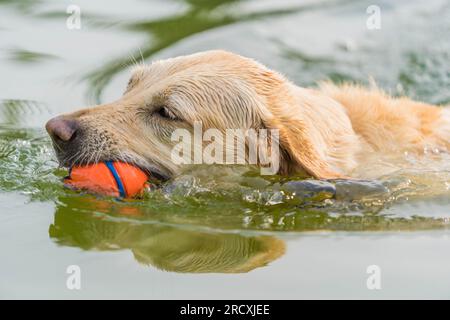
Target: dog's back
393	124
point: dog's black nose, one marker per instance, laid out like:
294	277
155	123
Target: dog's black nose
62	128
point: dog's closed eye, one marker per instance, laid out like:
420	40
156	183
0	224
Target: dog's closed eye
165	113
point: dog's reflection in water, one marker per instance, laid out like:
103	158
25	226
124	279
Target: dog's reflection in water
164	247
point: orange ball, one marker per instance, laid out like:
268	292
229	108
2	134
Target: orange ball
110	178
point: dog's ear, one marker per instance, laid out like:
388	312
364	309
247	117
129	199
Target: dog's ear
297	150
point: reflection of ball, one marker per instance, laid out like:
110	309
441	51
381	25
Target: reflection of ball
108	178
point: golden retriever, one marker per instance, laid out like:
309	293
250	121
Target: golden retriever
324	133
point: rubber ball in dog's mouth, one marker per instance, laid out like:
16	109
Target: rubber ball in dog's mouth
117	179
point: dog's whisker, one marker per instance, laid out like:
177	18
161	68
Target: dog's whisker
58	147
81	158
142	57
100	151
68	160
89	159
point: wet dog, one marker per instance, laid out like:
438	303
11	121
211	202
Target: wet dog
324	133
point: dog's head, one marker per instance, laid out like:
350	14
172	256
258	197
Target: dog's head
218	89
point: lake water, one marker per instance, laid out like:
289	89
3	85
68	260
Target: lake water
218	232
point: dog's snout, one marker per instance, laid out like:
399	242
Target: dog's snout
62	128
